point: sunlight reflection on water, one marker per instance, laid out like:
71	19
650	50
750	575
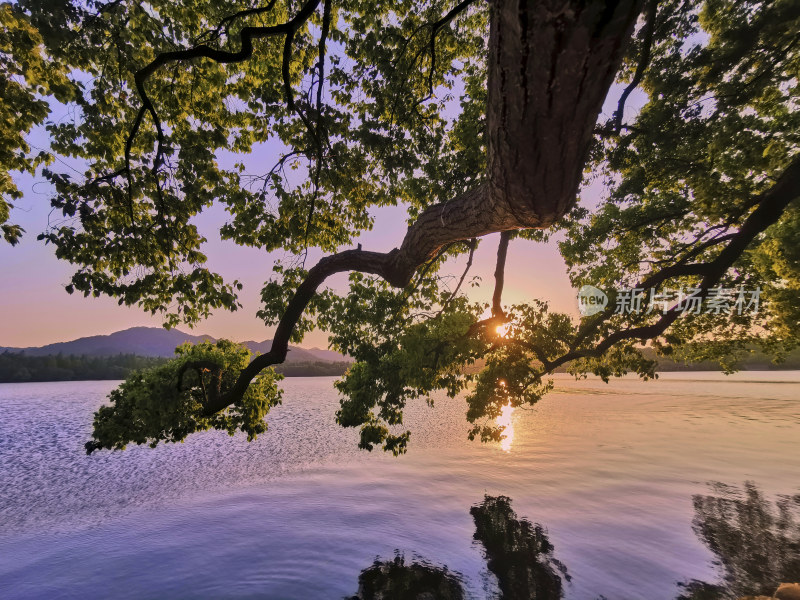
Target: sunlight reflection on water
506	420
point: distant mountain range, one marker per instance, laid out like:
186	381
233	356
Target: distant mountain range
157	342
154	341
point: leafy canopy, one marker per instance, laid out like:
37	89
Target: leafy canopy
382	103
168	402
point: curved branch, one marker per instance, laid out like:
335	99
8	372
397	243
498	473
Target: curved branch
246	37
226	22
462	218
641	67
473	244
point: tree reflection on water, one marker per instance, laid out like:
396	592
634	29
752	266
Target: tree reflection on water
756	542
517	552
416	580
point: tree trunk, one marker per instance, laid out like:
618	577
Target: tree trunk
551	64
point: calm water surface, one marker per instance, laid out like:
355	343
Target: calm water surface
633	483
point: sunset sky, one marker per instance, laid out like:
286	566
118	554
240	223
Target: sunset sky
37	310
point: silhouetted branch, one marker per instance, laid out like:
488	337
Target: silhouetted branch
769	209
641	67
499	274
473	244
246	37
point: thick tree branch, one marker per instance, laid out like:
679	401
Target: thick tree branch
438	226
550	67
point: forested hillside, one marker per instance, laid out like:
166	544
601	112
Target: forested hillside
17	367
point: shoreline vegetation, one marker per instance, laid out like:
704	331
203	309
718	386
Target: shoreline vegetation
755	360
18	367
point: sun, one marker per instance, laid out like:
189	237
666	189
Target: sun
502	330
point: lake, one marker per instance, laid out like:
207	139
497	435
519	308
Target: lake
644	490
